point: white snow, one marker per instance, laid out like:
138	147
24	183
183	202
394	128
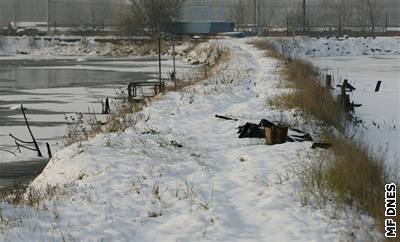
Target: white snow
140	186
54	46
318	47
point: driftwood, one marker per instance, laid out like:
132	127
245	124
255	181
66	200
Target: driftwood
30	132
28	144
8	152
226	118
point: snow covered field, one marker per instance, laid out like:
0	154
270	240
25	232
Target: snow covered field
50	46
180	174
380	111
318	47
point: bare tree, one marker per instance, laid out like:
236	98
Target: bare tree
156	15
339	12
374	8
91	14
98	11
132	20
238	13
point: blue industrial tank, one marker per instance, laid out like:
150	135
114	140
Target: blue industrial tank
203	27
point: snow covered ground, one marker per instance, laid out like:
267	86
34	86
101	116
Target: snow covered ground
49	46
318	47
180	174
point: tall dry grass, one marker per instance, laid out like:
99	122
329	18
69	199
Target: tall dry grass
310	95
354	175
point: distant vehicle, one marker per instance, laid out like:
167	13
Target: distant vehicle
203	27
26	28
233	34
28	25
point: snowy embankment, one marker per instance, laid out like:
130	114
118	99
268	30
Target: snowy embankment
180	174
74	46
320	47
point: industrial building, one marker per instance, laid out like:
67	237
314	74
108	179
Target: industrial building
98	14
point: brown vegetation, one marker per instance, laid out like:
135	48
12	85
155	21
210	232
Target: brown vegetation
352	174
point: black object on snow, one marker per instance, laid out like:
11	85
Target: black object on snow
250	130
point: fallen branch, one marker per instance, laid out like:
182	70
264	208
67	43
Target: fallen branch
226	118
8	152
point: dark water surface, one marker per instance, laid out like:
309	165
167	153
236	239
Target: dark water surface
20	76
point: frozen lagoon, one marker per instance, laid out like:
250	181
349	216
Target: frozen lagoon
52	88
380	111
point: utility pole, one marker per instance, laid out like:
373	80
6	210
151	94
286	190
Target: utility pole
159	60
287	26
254	14
386	22
48	16
304	15
259	16
54	15
15	13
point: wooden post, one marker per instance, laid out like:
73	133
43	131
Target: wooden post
287	26
107	106
159	60
378	86
328	82
386	22
173	58
48	150
304	16
30	132
254	15
129	92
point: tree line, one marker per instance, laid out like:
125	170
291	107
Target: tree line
340	15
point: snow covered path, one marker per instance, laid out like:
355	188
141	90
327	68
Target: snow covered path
180	174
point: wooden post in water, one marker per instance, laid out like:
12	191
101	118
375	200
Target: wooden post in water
49	150
328	82
30	132
378	86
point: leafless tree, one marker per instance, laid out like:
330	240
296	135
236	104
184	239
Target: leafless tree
339	13
374	9
238	13
294	17
156	15
92	14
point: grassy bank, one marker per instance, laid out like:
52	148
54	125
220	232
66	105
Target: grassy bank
349	174
84	128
